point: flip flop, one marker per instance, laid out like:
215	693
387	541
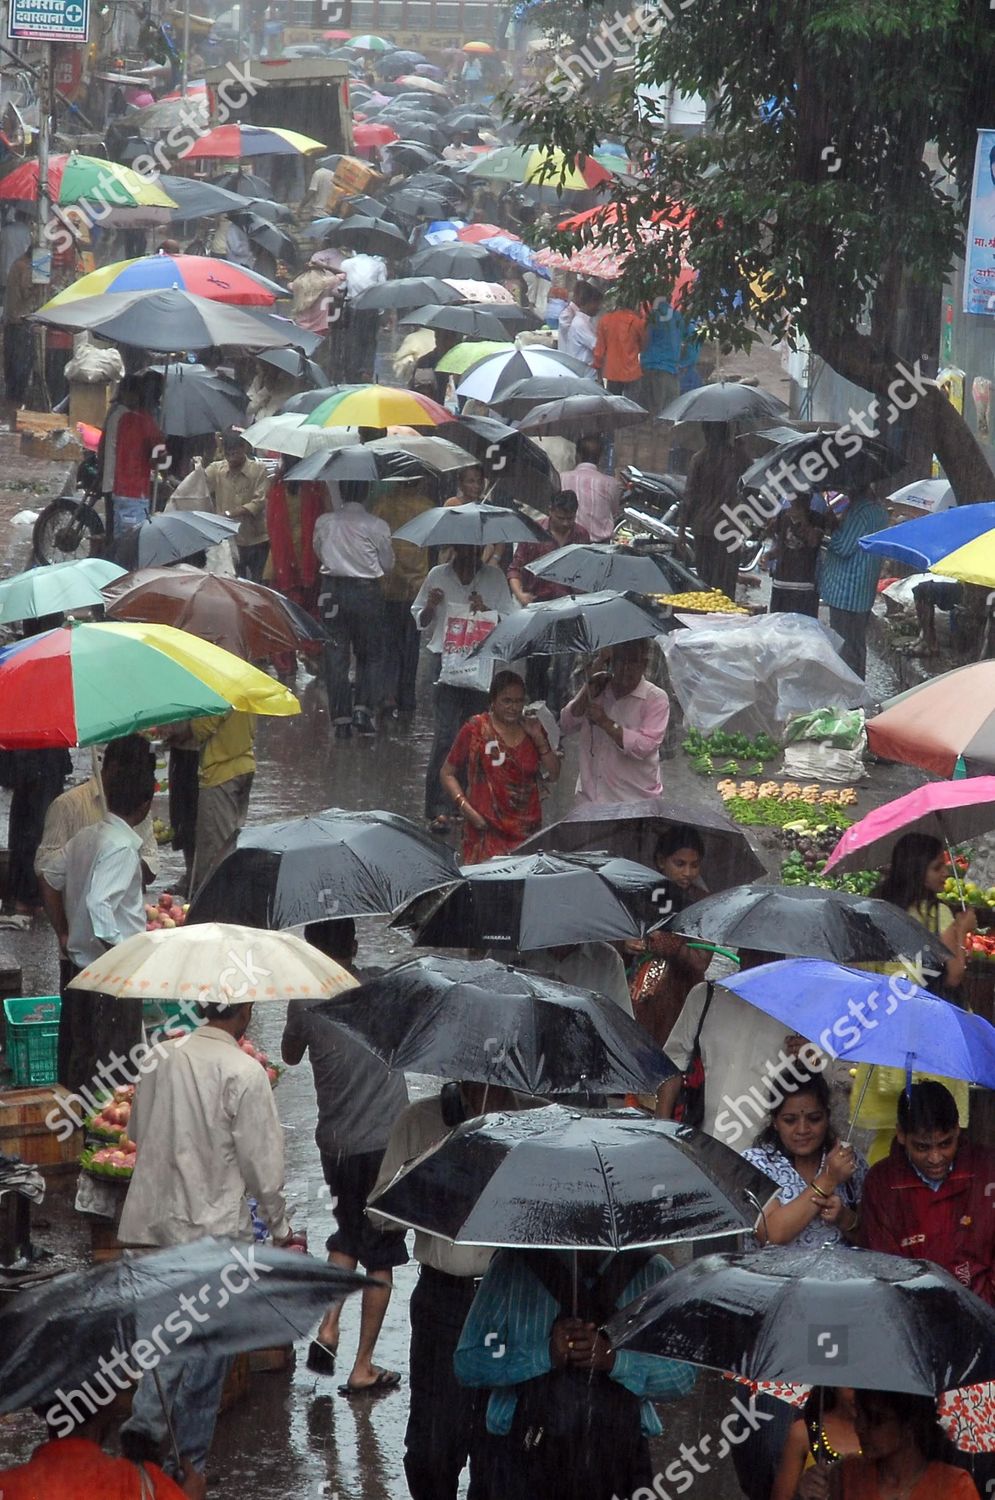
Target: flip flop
321	1358
386	1381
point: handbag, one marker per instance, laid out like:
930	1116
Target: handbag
690	1108
463	633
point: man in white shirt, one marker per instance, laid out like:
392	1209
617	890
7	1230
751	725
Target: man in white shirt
576	331
208	1135
599	496
355	552
463	586
96	902
590	966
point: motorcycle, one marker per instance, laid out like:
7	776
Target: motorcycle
69	527
651	506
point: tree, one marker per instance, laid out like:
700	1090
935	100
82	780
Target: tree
830	194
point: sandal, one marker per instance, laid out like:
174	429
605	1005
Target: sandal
386	1381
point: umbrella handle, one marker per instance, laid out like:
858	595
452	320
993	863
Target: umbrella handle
863	1090
754	1202
171	1430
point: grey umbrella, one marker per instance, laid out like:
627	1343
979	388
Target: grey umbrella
407	291
373	236
196	400
470	321
294	362
463	262
199	200
575	415
169	321
725	401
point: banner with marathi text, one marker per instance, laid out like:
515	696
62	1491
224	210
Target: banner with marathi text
979	258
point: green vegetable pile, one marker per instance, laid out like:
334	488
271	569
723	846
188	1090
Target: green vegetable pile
771	812
740	752
795	870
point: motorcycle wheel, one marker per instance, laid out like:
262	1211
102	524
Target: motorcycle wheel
65	531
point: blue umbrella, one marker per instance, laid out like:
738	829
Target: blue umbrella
499	244
883	1020
928	539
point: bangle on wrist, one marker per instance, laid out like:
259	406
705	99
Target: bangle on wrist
817	1189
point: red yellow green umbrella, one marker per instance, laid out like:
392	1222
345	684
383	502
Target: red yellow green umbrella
377	406
83	684
218	280
74	178
235	142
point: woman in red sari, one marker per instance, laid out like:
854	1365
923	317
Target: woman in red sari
500	755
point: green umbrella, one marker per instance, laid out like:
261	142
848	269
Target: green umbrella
460	359
57	588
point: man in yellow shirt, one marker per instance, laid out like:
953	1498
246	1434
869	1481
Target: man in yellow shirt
227	767
239	485
401	503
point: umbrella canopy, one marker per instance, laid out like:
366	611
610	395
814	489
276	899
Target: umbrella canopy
104	1311
286	433
449	260
215	963
463	357
217	280
471	525
412	153
908	1027
235	142
55	589
374	406
195	199
924	495
356	462
293	362
492	377
435	453
242	617
471	321
85	684
510	314
950	811
544	168
576	415
263	232
170	321
196	400
893	1324
556	1178
369	43
940	721
519	466
485	1022
529	901
172	537
369	134
407	291
418	83
74	179
589	567
725	401
846	456
587	625
487	292
805	921
374	236
523	396
956	543
332	864
632	830
245	183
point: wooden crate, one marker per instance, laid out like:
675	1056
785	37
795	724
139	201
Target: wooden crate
263	1360
47	434
24	1133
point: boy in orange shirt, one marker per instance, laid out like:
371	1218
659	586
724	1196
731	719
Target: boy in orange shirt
621	340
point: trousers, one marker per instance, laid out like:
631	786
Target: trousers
352	610
453	706
191	1386
852	624
444	1417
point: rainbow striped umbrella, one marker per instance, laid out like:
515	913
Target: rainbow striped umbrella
234	142
73	178
218	280
377	406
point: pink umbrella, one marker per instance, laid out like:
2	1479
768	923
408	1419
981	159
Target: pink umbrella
949	810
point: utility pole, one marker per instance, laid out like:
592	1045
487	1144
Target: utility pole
185	76
46	125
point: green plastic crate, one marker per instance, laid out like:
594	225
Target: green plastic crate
33	1039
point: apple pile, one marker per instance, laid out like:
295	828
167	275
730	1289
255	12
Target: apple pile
112	1120
112	1161
272	1073
168	913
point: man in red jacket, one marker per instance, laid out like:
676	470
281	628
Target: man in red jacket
933	1198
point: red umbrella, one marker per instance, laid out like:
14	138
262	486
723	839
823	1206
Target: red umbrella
472	234
366	135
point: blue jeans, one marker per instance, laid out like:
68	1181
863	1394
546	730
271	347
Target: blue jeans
192	1383
129	512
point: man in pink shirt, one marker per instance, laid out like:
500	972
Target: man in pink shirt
622	720
599	496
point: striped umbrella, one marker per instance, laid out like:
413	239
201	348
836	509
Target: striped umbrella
235	142
218	280
377	406
74	179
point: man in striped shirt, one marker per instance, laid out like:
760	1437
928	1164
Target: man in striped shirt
848	577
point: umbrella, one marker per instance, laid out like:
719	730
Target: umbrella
472	234
370	134
956	543
407	153
396	63
423	134
324	228
545	168
941	721
470	321
512	249
196	199
292	362
286	433
806	921
817	1317
471	525
487	292
449	260
572	416
932	495
355	462
725	401
245	183
268	208
842	457
585	625
462	357
907	1026
482	47
493	376
373	406
556	1178
368	43
85	684
510	314
529	901
242	617
169	321
631	830
215	963
373	236
468	117
172	537
104	1311
76	179
196	400
949	810
330	864
436	453
407	291
55	589
283	332
263	232
486	1022
235	142
217	280
418	83
589	567
523	396
519	467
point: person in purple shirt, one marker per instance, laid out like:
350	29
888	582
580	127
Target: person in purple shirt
622	719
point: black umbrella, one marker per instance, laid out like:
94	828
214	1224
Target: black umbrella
169	320
199	200
171	537
435	182
631	830
332	864
196	400
587	567
841	464
268	208
804	921
587	625
469	321
407	291
509	313
58	1335
373	236
817	1317
249	184
725	401
518	398
575	415
463	262
418	205
518	467
485	1022
356	462
529	901
411	153
558	1178
293	362
415	129
471	525
323	228
362	203
393	64
466	117
264	233
294	336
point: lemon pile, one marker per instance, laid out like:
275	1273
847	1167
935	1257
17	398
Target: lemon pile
704	601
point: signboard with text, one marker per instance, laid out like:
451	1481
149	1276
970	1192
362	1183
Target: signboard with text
48	20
